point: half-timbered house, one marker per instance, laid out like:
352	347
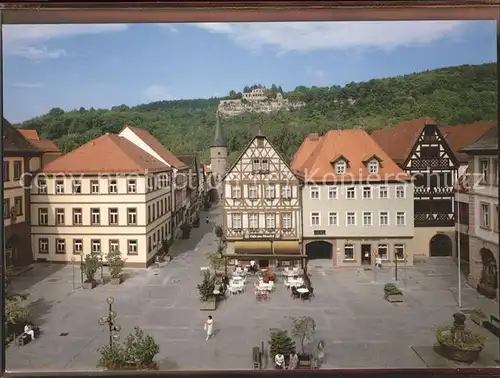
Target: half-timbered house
429	153
262	216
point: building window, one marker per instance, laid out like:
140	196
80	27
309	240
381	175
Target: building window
286	220
333	219
149	214
367	192
60	246
253	221
17	170
253	191
399	251
340	167
132	186
236	221
60	215
373	166
43	246
384	218
113	216
270	191
265	165
42	186
400	191
94	187
383	192
350	218
132	247
96	245
6	171
43	217
153	211
287	191
235	191
18	205
348	252
485	215
383	251
332	192
150	244
77	246
59	187
315	219
367	218
496	218
114	245
400	218
95	216
495	172
256	165
350	193
314	192
76	187
77	217
132	216
113	186
6	208
484	168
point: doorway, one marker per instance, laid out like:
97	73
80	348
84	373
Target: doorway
440	246
366	254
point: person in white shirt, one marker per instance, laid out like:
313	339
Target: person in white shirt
209	327
252	266
378	261
29	331
279	361
294	361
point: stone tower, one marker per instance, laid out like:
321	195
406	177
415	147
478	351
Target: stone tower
218	151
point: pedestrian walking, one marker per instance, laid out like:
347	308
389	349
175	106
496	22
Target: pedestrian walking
378	261
209	327
208	220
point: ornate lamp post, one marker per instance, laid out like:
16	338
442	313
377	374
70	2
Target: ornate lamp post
110	320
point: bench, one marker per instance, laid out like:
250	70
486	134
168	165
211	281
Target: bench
24	338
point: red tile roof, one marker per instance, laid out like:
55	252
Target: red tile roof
106	154
44	145
29	134
313	160
157	147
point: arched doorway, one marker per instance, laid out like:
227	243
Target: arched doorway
488	282
440	246
319	250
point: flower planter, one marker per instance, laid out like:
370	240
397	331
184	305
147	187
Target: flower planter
459	354
116	281
394	298
478	319
209	305
134	367
89	285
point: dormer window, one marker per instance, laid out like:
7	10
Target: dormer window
373	166
340	167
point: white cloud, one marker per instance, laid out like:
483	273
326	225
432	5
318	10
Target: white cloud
311	36
315	72
28	85
170	27
156	92
28	41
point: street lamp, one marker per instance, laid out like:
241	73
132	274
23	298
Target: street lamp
73	265
110	321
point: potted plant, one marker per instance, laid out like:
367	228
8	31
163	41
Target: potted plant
478	316
186	230
304	328
219	231
115	266
280	343
91	264
215	260
268	275
206	291
392	293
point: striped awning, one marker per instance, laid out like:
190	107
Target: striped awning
286	247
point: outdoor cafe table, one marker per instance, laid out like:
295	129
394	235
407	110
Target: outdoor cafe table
302	290
264	286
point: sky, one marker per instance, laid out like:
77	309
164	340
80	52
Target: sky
100	66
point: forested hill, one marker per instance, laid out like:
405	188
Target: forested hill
450	95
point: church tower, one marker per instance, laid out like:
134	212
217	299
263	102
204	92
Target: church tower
218	152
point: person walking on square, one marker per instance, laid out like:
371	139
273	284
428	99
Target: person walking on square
208	220
378	261
209	327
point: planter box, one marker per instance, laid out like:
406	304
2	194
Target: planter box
89	285
116	281
478	319
210	305
457	354
395	298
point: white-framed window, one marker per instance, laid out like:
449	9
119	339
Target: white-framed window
42	186
270	220
270	191
286	218
253	191
373	166
384	218
367	192
350	192
485	215
60	246
383	192
60	217
253	221
399	251
340	167
484	170
59	186
350	218
286	191
114	245
333	219
383	251
77	246
43	246
76	187
132	216
256	165
94	187
495	172
132	186
96	245
236	221
400	218
235	191
400	191
113	216
314	192
367	218
132	247
332	192
95	216
349	252
315	219
265	165
43	216
113	186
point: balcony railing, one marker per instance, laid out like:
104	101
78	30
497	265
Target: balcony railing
435	163
426	190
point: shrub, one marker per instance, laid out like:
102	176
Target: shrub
446	335
207	286
115	263
281	342
215	260
92	262
219	231
391	289
16	311
304	328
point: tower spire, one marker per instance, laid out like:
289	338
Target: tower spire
218	140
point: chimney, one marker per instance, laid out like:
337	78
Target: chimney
313	136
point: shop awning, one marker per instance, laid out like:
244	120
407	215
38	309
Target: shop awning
253	247
257	256
286	247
